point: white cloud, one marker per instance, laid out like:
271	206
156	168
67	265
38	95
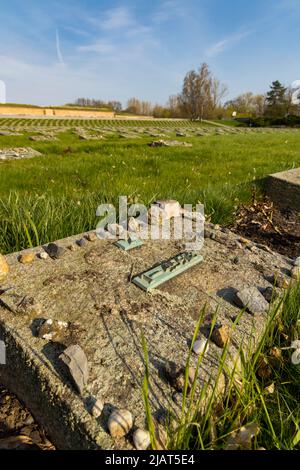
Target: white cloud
226	43
116	18
168	10
58	49
100	47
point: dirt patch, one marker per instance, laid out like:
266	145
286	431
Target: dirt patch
263	222
18	428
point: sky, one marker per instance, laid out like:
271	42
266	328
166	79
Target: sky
52	52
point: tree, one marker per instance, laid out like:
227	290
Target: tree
142	108
201	93
276	100
247	104
115	106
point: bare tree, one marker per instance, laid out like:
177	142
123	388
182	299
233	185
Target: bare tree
201	93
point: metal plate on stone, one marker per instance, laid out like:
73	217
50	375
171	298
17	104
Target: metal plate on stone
128	245
166	270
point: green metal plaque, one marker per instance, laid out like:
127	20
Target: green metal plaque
166	270
128	244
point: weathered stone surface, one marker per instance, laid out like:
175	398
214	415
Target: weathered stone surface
92	286
284	188
4	268
297	261
252	299
76	361
119	423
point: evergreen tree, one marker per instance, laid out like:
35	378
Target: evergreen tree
276	99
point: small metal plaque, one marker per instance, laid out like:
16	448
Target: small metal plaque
128	244
167	270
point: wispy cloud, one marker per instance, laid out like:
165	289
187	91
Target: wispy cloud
169	10
58	49
100	47
116	18
226	43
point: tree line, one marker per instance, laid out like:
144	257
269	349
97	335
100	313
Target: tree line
202	97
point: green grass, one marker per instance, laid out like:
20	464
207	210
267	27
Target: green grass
276	415
56	195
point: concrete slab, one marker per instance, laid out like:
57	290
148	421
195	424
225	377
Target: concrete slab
91	286
284	189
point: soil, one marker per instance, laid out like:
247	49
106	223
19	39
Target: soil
263	222
18	428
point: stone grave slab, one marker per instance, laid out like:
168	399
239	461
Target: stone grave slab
91	288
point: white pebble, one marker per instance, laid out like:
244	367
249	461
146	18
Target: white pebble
120	422
199	346
95	407
43	255
141	439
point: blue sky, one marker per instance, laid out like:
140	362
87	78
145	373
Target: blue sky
53	52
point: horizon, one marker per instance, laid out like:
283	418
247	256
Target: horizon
52	54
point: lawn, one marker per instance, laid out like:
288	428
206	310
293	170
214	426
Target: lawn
56	195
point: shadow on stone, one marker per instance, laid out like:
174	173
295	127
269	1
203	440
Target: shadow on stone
228	294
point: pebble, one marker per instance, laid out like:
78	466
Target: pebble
176	376
94	406
43	255
26	258
295	273
220	336
141	439
279	280
251	299
177	398
200	345
244	241
91	236
116	230
82	242
71	247
53	330
4	268
270	294
120	422
75	359
55	251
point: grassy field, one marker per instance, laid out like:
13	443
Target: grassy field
56	195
